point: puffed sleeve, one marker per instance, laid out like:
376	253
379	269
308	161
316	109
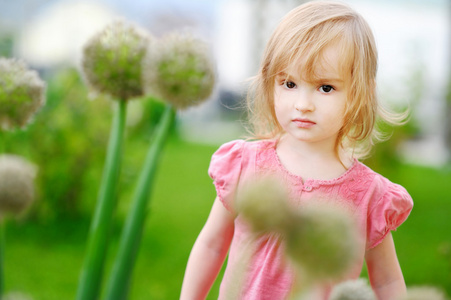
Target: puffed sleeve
389	212
225	170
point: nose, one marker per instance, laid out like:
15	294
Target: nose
304	102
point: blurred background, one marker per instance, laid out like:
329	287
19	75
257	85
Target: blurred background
67	139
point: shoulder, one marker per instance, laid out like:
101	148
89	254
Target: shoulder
382	184
388	197
373	188
389	206
372	179
241	147
232	155
230	163
237	155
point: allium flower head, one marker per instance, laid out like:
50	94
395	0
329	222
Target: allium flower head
180	71
16	296
22	93
423	293
352	290
112	60
16	184
322	242
263	203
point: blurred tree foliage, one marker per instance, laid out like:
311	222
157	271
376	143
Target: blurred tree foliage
386	155
448	121
66	141
6	44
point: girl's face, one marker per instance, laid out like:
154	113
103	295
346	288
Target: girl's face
312	112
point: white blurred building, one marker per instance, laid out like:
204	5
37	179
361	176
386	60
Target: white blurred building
56	35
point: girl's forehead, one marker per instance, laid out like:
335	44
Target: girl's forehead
324	65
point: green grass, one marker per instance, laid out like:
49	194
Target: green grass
424	241
44	260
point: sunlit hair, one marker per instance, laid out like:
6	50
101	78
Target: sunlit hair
302	36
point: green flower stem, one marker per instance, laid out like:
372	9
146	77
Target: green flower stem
2	141
91	275
2	253
117	286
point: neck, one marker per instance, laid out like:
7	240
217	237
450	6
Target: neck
312	160
319	150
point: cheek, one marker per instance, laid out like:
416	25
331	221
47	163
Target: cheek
276	103
280	106
280	113
275	108
336	115
277	111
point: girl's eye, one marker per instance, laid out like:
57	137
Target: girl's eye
289	84
326	89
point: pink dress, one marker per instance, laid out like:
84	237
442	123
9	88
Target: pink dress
377	204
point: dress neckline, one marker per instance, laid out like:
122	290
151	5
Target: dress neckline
310	181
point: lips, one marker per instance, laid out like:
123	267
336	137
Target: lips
303	123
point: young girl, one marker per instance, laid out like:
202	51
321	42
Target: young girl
313	109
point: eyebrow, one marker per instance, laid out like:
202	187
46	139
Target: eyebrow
282	74
331	79
318	78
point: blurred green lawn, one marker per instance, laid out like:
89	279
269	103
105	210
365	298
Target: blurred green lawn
44	260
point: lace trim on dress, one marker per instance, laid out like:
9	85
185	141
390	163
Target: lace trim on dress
268	154
351	185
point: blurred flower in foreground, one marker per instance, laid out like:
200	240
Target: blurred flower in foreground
263	204
352	290
180	71
423	293
16	296
112	60
16	184
320	240
323	241
22	93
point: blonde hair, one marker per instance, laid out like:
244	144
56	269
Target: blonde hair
303	35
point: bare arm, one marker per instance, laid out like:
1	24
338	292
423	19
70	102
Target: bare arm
208	253
384	270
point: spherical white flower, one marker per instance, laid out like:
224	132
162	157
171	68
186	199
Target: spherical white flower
16	184
352	290
17	296
180	70
22	94
322	241
424	292
112	60
263	203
